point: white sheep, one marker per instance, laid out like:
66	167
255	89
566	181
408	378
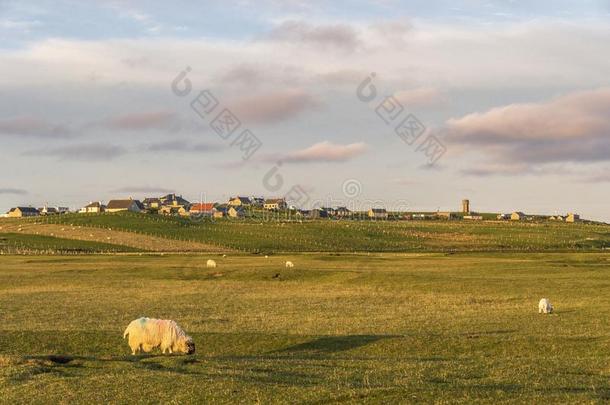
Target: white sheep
211	264
146	334
289	265
545	306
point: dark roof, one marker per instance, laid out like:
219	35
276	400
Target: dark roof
243	200
93	205
275	201
150	200
118	204
173	197
378	210
24	209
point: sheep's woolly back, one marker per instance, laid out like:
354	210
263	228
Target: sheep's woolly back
211	264
289	264
151	333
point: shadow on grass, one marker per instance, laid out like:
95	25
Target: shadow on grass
334	344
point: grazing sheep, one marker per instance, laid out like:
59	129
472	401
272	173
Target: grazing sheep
545	307
145	334
211	264
289	265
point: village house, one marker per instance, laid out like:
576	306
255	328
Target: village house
240	202
572	218
473	217
151	203
173	210
202	209
342	212
378	213
46	210
258	202
92	208
20	212
236	212
174	200
503	217
517	216
275	204
130	205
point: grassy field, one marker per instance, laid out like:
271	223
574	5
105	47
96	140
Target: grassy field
378	328
346	236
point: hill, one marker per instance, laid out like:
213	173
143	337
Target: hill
257	236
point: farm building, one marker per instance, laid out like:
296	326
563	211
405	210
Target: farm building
94	207
275	204
473	217
572	218
378	213
124	205
19	212
517	216
503	217
446	215
240	201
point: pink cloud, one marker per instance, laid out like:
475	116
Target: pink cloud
273	107
325	152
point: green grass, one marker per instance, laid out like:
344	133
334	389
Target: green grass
358	236
11	243
378	328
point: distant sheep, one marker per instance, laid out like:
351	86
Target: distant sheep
289	265
545	306
146	334
211	264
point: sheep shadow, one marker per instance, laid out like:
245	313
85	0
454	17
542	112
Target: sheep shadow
333	344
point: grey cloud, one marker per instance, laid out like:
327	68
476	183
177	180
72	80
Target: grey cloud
16	191
31	126
183	146
83	152
338	36
160	120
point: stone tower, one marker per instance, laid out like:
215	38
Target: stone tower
466	206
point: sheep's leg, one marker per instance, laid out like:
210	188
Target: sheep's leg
170	350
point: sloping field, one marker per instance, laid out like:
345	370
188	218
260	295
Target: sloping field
346	236
110	236
378	328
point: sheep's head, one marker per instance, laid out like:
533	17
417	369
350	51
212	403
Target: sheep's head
187	345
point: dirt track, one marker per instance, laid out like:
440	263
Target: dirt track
146	242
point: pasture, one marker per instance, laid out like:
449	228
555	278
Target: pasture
339	328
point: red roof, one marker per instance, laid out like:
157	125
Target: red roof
202	207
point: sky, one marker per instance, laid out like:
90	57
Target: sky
410	105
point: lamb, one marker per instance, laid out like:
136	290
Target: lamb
545	307
145	334
211	264
289	265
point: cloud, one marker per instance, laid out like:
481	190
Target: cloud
273	107
421	97
143	190
570	128
16	191
84	152
185	146
162	120
338	36
31	126
324	152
